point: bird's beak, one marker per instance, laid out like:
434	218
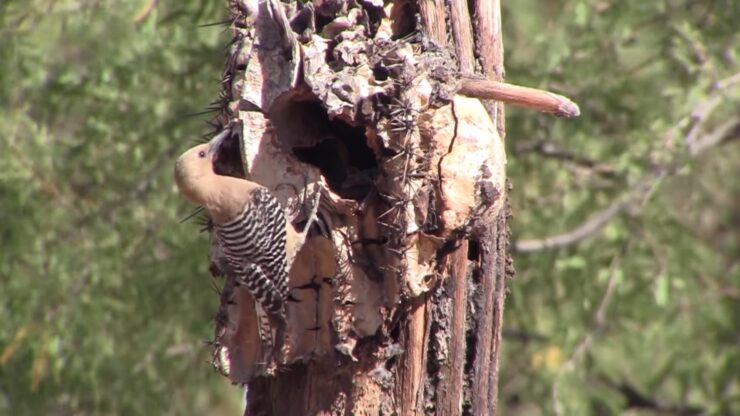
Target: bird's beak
215	143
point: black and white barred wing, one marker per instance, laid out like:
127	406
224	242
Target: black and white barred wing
255	246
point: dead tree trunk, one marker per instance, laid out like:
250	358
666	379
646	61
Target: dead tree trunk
359	112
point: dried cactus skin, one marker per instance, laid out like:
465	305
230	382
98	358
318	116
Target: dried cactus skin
340	103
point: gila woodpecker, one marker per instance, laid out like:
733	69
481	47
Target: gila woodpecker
249	224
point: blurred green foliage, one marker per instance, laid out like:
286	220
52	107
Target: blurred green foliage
649	306
101	309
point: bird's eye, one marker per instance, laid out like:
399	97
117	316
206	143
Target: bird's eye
202	154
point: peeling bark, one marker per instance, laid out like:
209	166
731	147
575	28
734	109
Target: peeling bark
349	112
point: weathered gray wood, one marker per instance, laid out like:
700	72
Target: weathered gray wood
351	104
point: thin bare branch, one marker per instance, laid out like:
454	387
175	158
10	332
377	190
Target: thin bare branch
540	100
729	81
145	11
704	109
593	225
726	131
637	400
553	150
696	143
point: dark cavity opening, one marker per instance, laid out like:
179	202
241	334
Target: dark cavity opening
473	250
228	161
374	17
325	12
380	72
302	19
403	16
338	149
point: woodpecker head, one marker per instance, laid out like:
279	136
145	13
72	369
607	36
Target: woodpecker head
194	169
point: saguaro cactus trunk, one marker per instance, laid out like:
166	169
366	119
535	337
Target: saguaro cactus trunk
362	113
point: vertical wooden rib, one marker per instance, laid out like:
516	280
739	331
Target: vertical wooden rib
462	35
433	18
450	388
490	53
412	363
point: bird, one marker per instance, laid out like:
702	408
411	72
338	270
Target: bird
250	226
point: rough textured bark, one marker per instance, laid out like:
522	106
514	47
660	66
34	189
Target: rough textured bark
351	110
